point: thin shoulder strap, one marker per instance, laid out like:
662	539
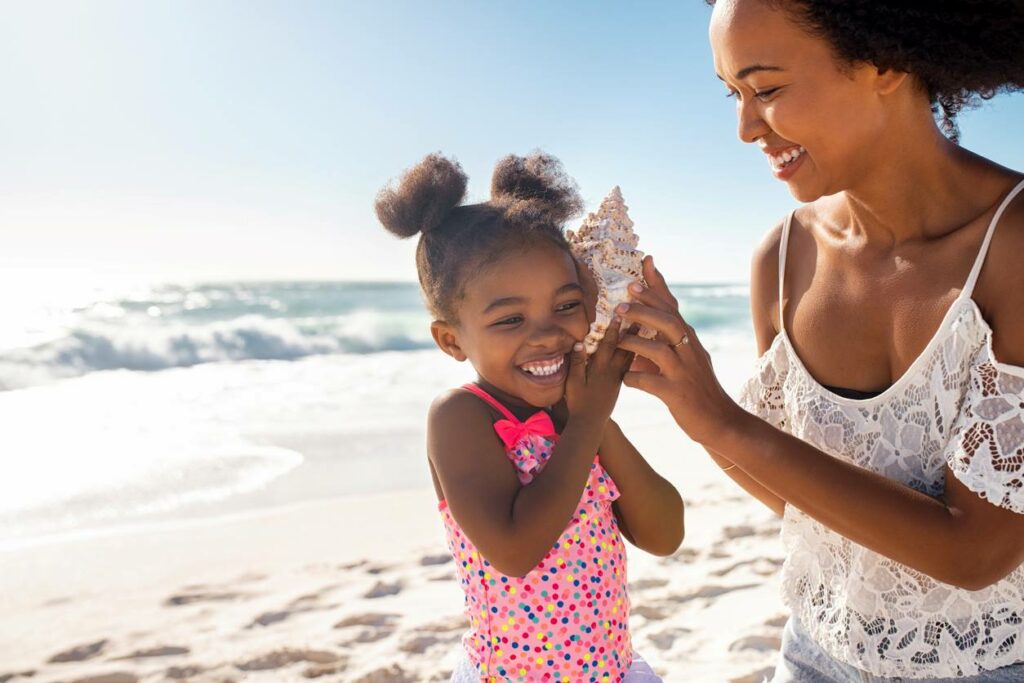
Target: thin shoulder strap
980	260
472	388
783	244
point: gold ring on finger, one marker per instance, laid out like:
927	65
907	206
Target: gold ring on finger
684	340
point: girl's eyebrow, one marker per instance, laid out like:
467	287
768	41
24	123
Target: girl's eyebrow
753	68
510	300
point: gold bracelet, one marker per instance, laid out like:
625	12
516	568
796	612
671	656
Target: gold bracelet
726	469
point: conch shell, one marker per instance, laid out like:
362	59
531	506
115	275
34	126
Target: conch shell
607	244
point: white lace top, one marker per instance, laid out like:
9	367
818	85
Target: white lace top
956	405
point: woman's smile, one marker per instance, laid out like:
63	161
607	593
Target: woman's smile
785	161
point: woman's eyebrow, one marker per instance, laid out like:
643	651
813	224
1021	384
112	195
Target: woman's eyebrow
753	68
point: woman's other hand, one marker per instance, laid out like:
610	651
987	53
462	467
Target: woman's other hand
674	366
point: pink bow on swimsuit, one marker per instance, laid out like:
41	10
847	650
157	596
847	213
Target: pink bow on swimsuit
538	424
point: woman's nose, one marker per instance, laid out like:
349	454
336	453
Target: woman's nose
751	125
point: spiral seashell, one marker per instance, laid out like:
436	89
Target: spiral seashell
605	241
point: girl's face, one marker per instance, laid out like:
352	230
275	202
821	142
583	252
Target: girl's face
518	322
820	124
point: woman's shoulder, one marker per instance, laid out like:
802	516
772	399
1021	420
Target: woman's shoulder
1000	288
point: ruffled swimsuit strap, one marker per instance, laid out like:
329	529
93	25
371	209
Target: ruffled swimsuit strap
490	400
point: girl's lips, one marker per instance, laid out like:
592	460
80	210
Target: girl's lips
553	379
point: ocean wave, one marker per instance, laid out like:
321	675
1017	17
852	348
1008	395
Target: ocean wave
146	346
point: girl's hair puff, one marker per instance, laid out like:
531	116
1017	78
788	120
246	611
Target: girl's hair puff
531	197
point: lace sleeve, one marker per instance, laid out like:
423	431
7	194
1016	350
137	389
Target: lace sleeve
762	393
986	446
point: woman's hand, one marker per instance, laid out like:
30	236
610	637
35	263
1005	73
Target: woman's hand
593	384
675	367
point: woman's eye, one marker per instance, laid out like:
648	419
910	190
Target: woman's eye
731	93
765	94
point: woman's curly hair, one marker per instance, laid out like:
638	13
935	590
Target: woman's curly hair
961	51
531	197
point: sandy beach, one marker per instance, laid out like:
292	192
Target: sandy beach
361	589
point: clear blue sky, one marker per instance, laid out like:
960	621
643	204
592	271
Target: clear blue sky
247	139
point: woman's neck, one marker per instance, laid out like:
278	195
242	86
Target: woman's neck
918	185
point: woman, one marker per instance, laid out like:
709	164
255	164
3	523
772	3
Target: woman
887	421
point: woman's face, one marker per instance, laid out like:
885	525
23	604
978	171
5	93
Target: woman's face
818	122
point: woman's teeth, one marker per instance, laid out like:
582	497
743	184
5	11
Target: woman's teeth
780	161
544	368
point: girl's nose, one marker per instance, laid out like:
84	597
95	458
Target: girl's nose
546	333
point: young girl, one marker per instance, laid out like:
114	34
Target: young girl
534	518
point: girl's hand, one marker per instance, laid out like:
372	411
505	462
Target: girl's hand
593	384
675	367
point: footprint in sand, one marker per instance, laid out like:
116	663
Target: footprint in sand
180	672
443	576
28	673
650	612
647	584
759	643
162	651
382	589
705	592
434	560
285	657
777	621
189	597
456	622
372	619
116	677
79	653
663	640
318	670
391	674
374	627
376	569
759	676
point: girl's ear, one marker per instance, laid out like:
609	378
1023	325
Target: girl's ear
447	339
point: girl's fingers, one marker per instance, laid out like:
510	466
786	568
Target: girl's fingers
578	364
606	348
589	286
669	325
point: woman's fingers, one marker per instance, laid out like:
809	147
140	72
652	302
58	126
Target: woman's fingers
660	354
656	282
655	385
652	298
669	325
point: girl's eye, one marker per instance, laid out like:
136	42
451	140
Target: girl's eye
512	320
568	306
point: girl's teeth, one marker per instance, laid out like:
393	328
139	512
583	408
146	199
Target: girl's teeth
544	369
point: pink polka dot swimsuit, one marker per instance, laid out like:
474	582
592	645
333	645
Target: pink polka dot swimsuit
568	619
